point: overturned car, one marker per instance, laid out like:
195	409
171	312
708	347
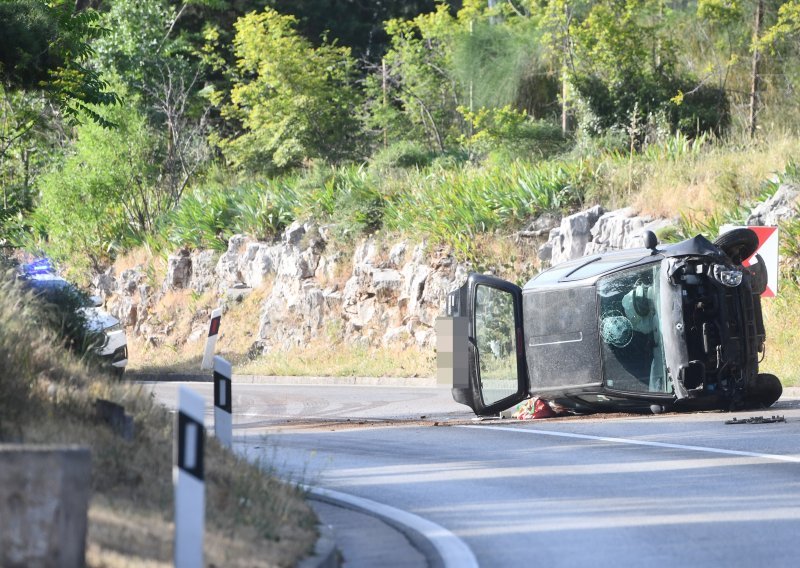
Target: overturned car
663	327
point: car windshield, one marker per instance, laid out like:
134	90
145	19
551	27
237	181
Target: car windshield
630	330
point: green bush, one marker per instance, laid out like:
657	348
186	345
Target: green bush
634	97
103	195
403	154
204	219
264	210
512	134
207	217
349	196
455	206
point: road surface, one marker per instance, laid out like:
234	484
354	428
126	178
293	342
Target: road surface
615	490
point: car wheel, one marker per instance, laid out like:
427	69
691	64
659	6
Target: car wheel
738	244
758	274
764	391
117	372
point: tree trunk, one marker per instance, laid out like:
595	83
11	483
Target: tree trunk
754	78
564	112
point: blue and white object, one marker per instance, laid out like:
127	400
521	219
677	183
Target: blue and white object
39	276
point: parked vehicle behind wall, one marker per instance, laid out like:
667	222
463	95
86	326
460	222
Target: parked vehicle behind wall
92	324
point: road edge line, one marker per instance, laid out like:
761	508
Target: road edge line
652	444
439	545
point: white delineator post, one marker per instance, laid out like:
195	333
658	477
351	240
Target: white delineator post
223	408
211	342
188	477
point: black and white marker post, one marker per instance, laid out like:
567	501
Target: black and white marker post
223	408
211	342
188	477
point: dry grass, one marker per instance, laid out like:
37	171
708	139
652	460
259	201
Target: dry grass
699	183
186	313
137	257
343	360
513	260
782	322
48	397
325	356
251	518
318	358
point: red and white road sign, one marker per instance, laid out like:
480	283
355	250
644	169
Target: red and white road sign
768	250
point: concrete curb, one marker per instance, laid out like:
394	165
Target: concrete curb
440	547
287	380
791	392
326	554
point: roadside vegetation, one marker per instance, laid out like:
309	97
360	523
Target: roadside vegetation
48	397
129	128
158	124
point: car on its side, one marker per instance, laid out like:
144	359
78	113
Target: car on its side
663	327
112	343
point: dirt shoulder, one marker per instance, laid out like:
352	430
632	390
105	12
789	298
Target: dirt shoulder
252	518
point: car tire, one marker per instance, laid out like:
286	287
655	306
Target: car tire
763	392
738	244
758	276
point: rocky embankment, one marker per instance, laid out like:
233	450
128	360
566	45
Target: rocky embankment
380	294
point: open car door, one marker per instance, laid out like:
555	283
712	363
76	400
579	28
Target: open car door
483	331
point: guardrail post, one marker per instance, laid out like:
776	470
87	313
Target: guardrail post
223	406
188	475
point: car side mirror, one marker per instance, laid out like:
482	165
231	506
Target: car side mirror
96	301
650	240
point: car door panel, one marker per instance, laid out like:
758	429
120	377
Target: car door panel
494	375
563	345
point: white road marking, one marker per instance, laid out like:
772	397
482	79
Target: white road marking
777	457
453	552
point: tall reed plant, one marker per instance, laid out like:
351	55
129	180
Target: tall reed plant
455	206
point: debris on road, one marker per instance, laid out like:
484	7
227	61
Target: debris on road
535	408
757	420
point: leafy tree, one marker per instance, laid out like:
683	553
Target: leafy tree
46	45
28	140
483	57
45	76
357	25
787	26
627	72
105	191
160	67
293	101
417	75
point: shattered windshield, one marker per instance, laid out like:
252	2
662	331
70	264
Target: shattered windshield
630	330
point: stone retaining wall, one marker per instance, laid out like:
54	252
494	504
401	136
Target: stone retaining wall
44	497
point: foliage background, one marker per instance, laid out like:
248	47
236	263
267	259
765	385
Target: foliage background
166	123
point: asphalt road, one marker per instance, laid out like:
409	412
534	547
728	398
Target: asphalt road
616	490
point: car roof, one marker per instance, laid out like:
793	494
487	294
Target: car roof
47	281
590	268
586	270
